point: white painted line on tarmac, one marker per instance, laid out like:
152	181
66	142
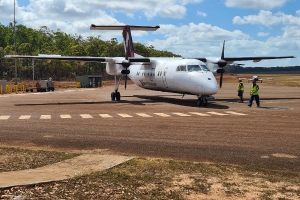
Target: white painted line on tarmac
25	117
86	116
4	117
143	115
181	114
200	114
65	116
124	115
45	117
162	114
235	113
216	113
105	115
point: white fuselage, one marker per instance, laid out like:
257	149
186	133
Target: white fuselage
174	75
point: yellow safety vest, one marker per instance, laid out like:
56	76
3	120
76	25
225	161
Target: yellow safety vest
241	87
254	90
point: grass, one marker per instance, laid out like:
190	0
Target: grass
149	178
13	159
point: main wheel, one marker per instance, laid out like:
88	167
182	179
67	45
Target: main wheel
204	102
118	96
200	101
113	96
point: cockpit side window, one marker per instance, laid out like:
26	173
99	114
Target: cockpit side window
181	68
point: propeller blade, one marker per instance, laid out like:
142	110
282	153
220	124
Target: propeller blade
125	81
221	79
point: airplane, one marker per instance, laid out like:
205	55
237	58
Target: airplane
256	79
167	74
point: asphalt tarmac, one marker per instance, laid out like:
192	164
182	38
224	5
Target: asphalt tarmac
158	124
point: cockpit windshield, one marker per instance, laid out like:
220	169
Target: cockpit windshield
193	68
204	68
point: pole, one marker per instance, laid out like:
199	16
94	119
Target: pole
32	69
15	48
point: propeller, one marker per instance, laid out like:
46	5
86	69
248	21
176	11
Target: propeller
222	63
126	63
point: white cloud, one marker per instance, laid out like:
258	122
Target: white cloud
203	14
264	17
267	18
257	4
262	34
202	39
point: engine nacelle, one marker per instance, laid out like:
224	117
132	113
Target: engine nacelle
114	69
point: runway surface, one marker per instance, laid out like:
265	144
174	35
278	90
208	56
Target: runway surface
151	123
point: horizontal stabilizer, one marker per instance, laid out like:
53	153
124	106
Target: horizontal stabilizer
121	27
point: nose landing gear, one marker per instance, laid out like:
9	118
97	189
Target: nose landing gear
202	100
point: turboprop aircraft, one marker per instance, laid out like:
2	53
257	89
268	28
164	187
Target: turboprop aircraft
178	75
256	79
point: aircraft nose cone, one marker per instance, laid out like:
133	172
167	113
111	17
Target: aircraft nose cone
212	86
206	84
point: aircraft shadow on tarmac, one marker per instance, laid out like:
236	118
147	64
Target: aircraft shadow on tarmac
262	99
145	100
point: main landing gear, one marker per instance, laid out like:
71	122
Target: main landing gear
116	96
202	100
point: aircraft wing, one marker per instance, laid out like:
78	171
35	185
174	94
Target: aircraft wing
78	58
255	59
230	60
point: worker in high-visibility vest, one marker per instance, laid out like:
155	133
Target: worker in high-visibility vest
254	93
240	90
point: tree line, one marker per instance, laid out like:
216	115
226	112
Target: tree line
45	41
266	70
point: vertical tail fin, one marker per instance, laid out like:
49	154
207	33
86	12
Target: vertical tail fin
128	44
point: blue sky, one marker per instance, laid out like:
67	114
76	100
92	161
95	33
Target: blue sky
191	28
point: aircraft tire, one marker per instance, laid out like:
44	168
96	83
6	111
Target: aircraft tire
113	96
205	102
118	96
199	102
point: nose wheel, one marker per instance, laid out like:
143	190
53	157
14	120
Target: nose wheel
115	96
202	101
